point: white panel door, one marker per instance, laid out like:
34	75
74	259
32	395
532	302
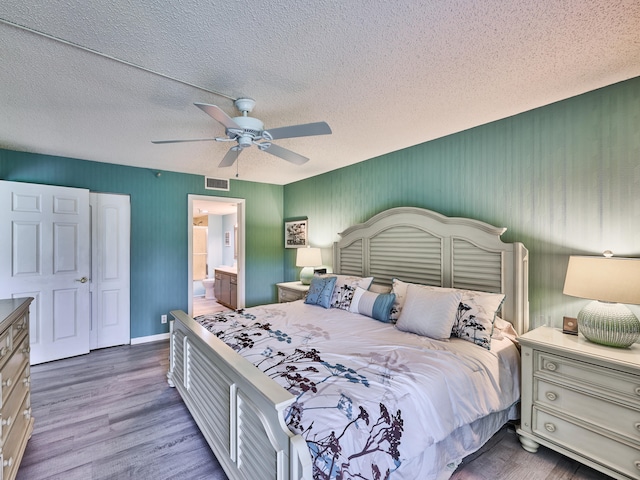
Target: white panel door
110	297
45	254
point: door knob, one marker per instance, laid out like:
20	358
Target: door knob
82	280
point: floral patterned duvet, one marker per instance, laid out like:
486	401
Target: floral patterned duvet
370	399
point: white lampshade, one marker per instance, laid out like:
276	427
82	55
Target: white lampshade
606	279
307	258
610	282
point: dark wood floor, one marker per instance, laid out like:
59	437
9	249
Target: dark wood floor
111	415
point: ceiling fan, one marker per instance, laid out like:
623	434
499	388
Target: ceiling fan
247	131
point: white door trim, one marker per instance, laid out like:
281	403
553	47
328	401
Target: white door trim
240	206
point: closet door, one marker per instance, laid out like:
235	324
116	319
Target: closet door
45	254
110	272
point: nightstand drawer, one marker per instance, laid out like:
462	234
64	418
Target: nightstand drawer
291	291
289	295
592	410
594	445
602	381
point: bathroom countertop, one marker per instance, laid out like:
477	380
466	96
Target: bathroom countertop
224	268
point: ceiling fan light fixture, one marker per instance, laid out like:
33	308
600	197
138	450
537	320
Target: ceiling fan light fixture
247	131
245	141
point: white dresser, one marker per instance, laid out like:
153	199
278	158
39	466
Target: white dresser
16	423
582	400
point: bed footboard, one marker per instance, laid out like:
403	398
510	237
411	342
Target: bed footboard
238	408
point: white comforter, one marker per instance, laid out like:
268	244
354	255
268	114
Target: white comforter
370	398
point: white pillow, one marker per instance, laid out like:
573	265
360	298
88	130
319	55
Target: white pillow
429	313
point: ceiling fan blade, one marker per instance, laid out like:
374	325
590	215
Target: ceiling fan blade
304	130
230	157
285	154
218	114
183	141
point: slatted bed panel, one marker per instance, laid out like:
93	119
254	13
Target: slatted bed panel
412	251
420	246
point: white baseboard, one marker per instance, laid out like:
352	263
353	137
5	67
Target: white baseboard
150	338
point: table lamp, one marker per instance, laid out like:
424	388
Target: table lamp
610	282
308	258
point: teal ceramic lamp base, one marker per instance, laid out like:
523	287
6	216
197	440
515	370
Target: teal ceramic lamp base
306	275
611	324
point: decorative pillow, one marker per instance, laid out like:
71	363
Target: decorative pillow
475	316
399	289
429	312
320	291
374	305
344	289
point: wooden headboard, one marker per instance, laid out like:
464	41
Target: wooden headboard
421	246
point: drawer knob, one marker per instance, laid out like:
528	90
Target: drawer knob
27	413
637	425
6	422
3	351
551	366
551	396
26	350
550	427
8	463
26	381
637	390
637	464
6	383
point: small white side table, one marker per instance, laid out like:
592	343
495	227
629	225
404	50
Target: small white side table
291	291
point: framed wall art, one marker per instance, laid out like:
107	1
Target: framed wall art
296	234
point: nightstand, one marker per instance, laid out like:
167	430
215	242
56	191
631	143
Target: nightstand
291	291
582	400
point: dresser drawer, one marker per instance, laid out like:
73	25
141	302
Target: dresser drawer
20	328
12	412
13	447
599	448
624	420
5	346
11	373
598	379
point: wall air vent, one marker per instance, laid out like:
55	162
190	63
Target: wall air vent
211	183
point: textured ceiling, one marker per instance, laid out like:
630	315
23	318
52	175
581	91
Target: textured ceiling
100	80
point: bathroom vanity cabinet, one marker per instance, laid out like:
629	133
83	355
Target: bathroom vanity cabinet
226	289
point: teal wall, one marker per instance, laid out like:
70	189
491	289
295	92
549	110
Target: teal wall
159	250
564	179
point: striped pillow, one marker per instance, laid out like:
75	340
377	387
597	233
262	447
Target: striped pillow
371	304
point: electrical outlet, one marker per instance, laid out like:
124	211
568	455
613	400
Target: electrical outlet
163	319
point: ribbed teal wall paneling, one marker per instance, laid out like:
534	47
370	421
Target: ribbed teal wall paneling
564	179
159	250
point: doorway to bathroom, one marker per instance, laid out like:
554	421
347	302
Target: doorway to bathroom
216	249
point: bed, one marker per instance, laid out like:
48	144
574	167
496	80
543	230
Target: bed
393	401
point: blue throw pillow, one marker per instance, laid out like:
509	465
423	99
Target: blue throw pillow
320	291
371	304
